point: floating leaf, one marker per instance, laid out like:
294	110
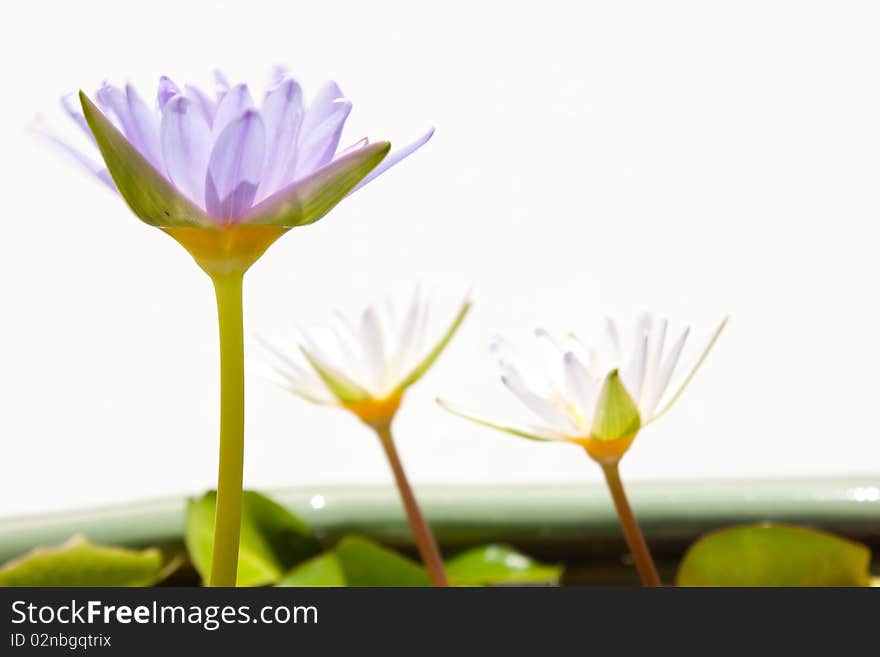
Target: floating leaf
357	561
366	563
498	564
272	538
80	563
323	570
774	555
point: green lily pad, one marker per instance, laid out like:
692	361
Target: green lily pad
357	561
323	570
81	563
498	564
273	540
774	555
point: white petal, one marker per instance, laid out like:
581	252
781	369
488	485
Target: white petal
581	388
614	336
552	356
649	396
694	369
668	368
634	375
373	343
541	407
407	345
523	431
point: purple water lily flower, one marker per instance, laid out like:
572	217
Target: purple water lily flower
225	179
200	158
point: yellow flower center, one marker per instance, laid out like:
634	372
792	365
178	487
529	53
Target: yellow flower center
605	451
226	249
376	412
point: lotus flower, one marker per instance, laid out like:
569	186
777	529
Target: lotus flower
366	367
599	397
226	179
364	364
202	160
596	396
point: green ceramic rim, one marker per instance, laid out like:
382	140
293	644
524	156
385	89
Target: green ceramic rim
548	516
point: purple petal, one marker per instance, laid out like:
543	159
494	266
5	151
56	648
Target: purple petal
206	105
321	129
221	81
145	123
394	158
282	114
70	103
83	160
279	76
114	105
234	167
360	143
167	91
139	125
186	147
234	103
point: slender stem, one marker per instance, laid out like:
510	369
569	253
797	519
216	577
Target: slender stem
631	531
227	523
425	541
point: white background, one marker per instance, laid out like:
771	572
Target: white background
694	158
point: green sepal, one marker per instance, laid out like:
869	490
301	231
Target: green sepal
343	389
434	354
152	198
309	199
527	432
617	415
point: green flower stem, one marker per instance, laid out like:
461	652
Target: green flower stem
631	531
425	541
227	523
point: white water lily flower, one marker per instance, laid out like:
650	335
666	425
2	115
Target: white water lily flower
598	396
364	364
